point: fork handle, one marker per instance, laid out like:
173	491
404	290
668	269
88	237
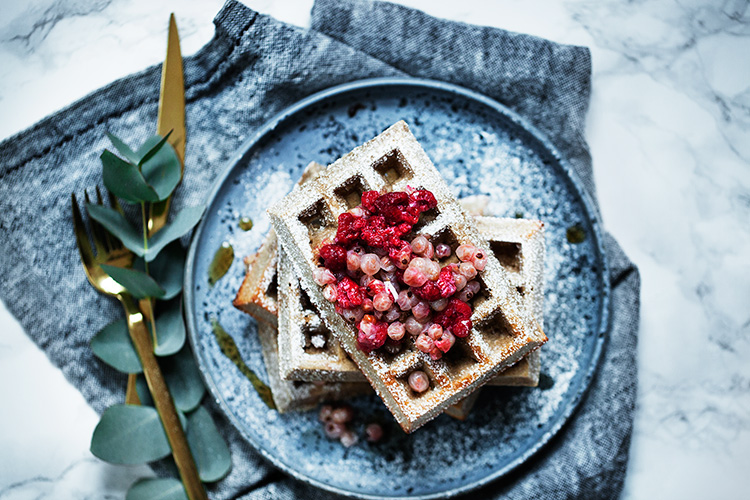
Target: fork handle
163	400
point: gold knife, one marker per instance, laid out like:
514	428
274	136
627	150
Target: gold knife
171	118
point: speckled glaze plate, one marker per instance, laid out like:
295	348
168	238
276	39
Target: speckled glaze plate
480	147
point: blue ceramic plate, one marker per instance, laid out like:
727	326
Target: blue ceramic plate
480	147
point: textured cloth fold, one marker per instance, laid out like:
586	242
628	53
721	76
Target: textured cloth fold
254	67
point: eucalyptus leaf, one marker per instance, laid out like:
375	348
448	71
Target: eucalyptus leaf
123	148
116	223
130	435
125	180
209	449
152	146
168	269
157	489
144	395
170	328
113	346
139	284
178	227
160	166
183	379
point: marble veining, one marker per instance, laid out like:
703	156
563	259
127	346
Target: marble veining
669	130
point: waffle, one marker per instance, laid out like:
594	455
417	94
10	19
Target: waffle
504	332
517	243
257	295
289	395
461	410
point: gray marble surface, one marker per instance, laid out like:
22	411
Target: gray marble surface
669	129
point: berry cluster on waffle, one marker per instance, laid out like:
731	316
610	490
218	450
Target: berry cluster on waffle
368	206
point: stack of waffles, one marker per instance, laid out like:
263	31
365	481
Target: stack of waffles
311	351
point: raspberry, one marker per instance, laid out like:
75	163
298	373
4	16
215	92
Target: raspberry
349	228
422	199
372	335
429	291
392	199
445	283
368	200
334	257
461	328
457	311
349	294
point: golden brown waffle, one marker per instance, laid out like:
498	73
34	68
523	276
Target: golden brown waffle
461	410
290	396
504	332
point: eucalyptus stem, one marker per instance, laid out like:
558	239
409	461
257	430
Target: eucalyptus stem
149	300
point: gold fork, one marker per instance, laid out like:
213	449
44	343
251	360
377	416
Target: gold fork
111	252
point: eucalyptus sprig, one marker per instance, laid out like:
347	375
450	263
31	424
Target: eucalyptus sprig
132	434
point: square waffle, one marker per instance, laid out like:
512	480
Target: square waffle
504	332
517	243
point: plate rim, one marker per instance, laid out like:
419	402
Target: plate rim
576	183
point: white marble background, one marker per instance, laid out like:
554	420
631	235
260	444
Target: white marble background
669	128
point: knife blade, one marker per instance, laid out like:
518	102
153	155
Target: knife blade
171	115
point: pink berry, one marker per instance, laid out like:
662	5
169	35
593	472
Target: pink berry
323	276
479	261
465	252
334	430
342	414
421	310
396	331
353	315
374	432
414	277
349	439
405	300
468	270
442	251
325	413
473	286
439	305
436	353
419	244
433	270
435	331
445	341
353	261
401	257
392	314
420	264
330	293
382	301
459	280
419	381
367	305
424	343
429	252
413	326
386	264
370	264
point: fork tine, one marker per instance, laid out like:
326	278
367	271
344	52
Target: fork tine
109	241
97	232
82	239
113	201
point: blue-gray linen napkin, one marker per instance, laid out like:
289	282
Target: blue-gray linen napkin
254	67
